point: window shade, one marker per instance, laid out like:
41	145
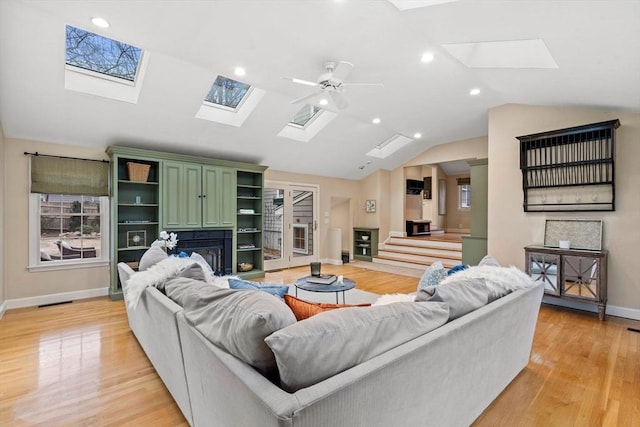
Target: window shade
464	181
69	176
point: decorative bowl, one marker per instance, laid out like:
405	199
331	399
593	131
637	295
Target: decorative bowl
245	266
365	238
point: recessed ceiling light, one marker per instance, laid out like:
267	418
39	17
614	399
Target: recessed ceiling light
474	91
100	22
427	57
376	121
417	135
239	71
323	101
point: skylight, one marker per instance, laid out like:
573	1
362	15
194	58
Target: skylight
304	115
227	92
99	54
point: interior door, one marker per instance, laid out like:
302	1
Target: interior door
290	225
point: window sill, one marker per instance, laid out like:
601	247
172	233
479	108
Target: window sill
53	265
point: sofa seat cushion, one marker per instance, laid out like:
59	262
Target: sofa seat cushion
236	321
328	343
304	309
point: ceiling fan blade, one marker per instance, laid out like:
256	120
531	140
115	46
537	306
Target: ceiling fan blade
342	70
301	81
339	100
305	98
364	84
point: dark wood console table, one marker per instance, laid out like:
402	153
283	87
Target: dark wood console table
572	274
417	227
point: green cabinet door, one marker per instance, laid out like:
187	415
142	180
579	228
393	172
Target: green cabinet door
170	184
182	194
197	196
192	195
219	201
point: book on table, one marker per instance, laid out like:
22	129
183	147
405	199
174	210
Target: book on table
323	279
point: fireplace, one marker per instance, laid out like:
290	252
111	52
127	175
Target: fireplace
214	246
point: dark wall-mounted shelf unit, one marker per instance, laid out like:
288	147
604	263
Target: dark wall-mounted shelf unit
569	170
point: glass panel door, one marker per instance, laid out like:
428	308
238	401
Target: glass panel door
290	225
273	231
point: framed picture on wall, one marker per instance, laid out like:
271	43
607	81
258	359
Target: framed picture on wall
370	206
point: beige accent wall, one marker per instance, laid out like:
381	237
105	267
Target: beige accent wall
3	205
510	228
18	281
330	189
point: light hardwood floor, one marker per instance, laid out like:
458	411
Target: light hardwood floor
79	365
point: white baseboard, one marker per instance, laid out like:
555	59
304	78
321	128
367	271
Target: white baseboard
613	310
55	298
3	308
331	261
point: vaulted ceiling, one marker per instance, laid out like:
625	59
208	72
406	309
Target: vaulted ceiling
594	48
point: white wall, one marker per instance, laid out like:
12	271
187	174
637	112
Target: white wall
510	228
3	205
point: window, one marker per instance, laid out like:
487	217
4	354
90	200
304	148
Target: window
300	241
302	117
101	55
68	230
464	196
227	92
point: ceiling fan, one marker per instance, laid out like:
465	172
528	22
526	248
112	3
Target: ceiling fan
330	84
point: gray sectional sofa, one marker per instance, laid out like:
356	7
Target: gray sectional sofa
445	377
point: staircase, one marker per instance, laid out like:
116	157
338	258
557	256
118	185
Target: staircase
419	253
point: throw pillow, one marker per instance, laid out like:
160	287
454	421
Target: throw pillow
391	298
206	268
193	271
462	297
456	268
151	257
328	343
304	309
276	290
236	321
499	281
489	260
433	275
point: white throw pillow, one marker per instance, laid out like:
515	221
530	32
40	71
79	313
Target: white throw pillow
151	257
391	298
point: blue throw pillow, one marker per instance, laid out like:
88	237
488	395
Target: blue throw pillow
432	276
456	268
276	290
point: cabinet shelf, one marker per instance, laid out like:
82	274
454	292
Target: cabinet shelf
137	248
363	249
127	182
139	205
248	249
249	197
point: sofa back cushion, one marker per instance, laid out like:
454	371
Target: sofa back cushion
328	343
462	297
236	321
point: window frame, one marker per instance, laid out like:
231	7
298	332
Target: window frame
460	192
305	249
310	120
35	264
226	107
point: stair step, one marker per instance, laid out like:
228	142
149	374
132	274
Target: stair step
423	243
421	252
430	258
403	262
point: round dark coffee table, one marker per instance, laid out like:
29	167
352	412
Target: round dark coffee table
336	287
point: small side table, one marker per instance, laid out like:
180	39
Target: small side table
336	287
